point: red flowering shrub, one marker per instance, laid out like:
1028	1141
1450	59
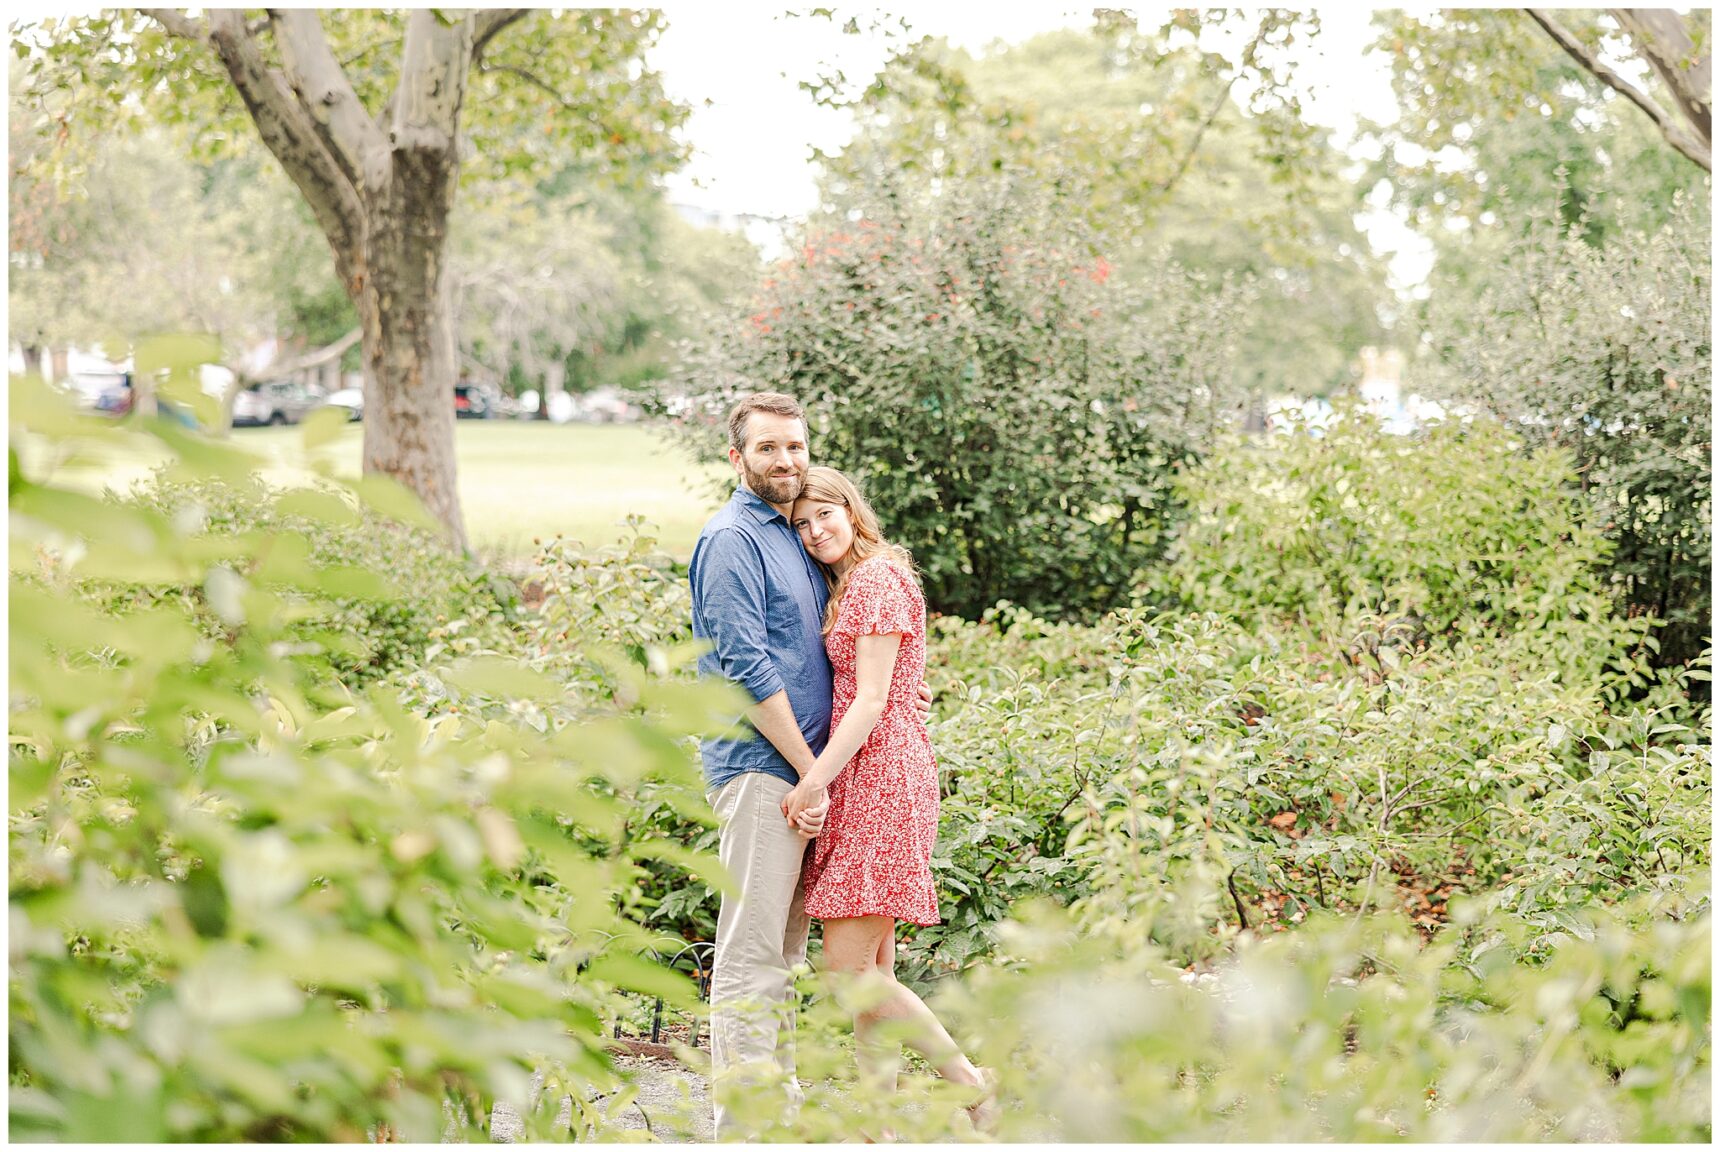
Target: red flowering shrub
1014	409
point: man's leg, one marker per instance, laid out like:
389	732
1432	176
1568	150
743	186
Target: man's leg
750	982
793	955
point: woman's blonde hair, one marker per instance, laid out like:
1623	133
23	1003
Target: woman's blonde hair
828	486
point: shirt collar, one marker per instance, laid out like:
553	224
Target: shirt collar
755	504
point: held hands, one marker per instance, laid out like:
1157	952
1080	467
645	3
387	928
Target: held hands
923	703
805	807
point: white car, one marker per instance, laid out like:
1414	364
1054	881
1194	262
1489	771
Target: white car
351	399
274	402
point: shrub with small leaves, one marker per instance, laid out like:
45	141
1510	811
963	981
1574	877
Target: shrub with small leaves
1607	352
247	903
404	581
1012	408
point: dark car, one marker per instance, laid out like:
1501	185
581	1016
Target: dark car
473	401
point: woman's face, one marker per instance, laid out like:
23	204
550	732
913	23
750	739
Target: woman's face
827	530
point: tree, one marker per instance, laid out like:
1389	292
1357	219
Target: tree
1494	124
533	277
1186	149
1677	49
144	243
371	115
564	286
1498	129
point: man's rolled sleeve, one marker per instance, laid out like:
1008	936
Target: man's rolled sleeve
732	591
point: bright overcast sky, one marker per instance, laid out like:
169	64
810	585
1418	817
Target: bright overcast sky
752	143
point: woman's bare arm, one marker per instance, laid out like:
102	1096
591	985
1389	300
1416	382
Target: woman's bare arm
874	665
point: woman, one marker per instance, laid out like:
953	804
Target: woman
872	865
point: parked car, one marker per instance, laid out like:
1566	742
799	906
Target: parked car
474	401
274	402
471	401
351	399
115	398
101	391
606	405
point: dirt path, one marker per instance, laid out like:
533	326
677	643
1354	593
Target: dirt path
673	1105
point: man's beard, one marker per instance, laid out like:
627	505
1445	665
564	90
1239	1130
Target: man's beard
775	489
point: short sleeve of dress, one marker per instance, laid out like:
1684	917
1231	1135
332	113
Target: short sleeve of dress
880	600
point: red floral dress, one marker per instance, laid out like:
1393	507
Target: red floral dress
874	857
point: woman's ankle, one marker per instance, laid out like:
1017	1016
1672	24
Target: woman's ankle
964	1072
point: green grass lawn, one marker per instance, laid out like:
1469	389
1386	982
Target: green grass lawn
518	479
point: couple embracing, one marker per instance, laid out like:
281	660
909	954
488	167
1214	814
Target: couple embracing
829	810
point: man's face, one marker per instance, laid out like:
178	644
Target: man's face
773	464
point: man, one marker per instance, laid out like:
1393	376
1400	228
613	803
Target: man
759	599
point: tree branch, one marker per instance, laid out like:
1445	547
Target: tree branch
290	135
1217	107
433	68
178	23
342	122
531	78
489	23
1662	38
1676	134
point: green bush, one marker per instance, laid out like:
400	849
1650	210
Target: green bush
1014	411
1348	1029
1606	351
366	636
1452	528
614	623
250	904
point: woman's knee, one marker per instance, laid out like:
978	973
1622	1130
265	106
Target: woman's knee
851	948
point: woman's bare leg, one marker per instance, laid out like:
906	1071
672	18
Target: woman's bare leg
879	1059
857	946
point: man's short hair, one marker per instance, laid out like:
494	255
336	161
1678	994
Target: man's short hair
775	403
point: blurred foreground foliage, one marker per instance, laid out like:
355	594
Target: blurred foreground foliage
1426	860
249	902
371	627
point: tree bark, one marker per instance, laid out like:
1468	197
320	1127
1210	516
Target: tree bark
406	306
1663	38
32	360
1684	74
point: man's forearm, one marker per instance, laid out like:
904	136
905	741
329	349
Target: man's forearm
774	719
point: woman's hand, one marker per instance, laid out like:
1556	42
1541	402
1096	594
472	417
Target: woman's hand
923	702
811	821
807	801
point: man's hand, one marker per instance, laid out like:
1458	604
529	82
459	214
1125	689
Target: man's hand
805	798
923	705
811	822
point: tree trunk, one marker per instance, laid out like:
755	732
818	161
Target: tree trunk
409	365
554	384
33	360
60	357
144	405
406	302
230	399
382	189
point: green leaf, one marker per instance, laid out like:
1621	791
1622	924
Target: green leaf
638	974
323	426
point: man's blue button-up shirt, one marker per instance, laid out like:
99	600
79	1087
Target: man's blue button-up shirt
759	598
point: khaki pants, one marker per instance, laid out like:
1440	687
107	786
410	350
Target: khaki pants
761	935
